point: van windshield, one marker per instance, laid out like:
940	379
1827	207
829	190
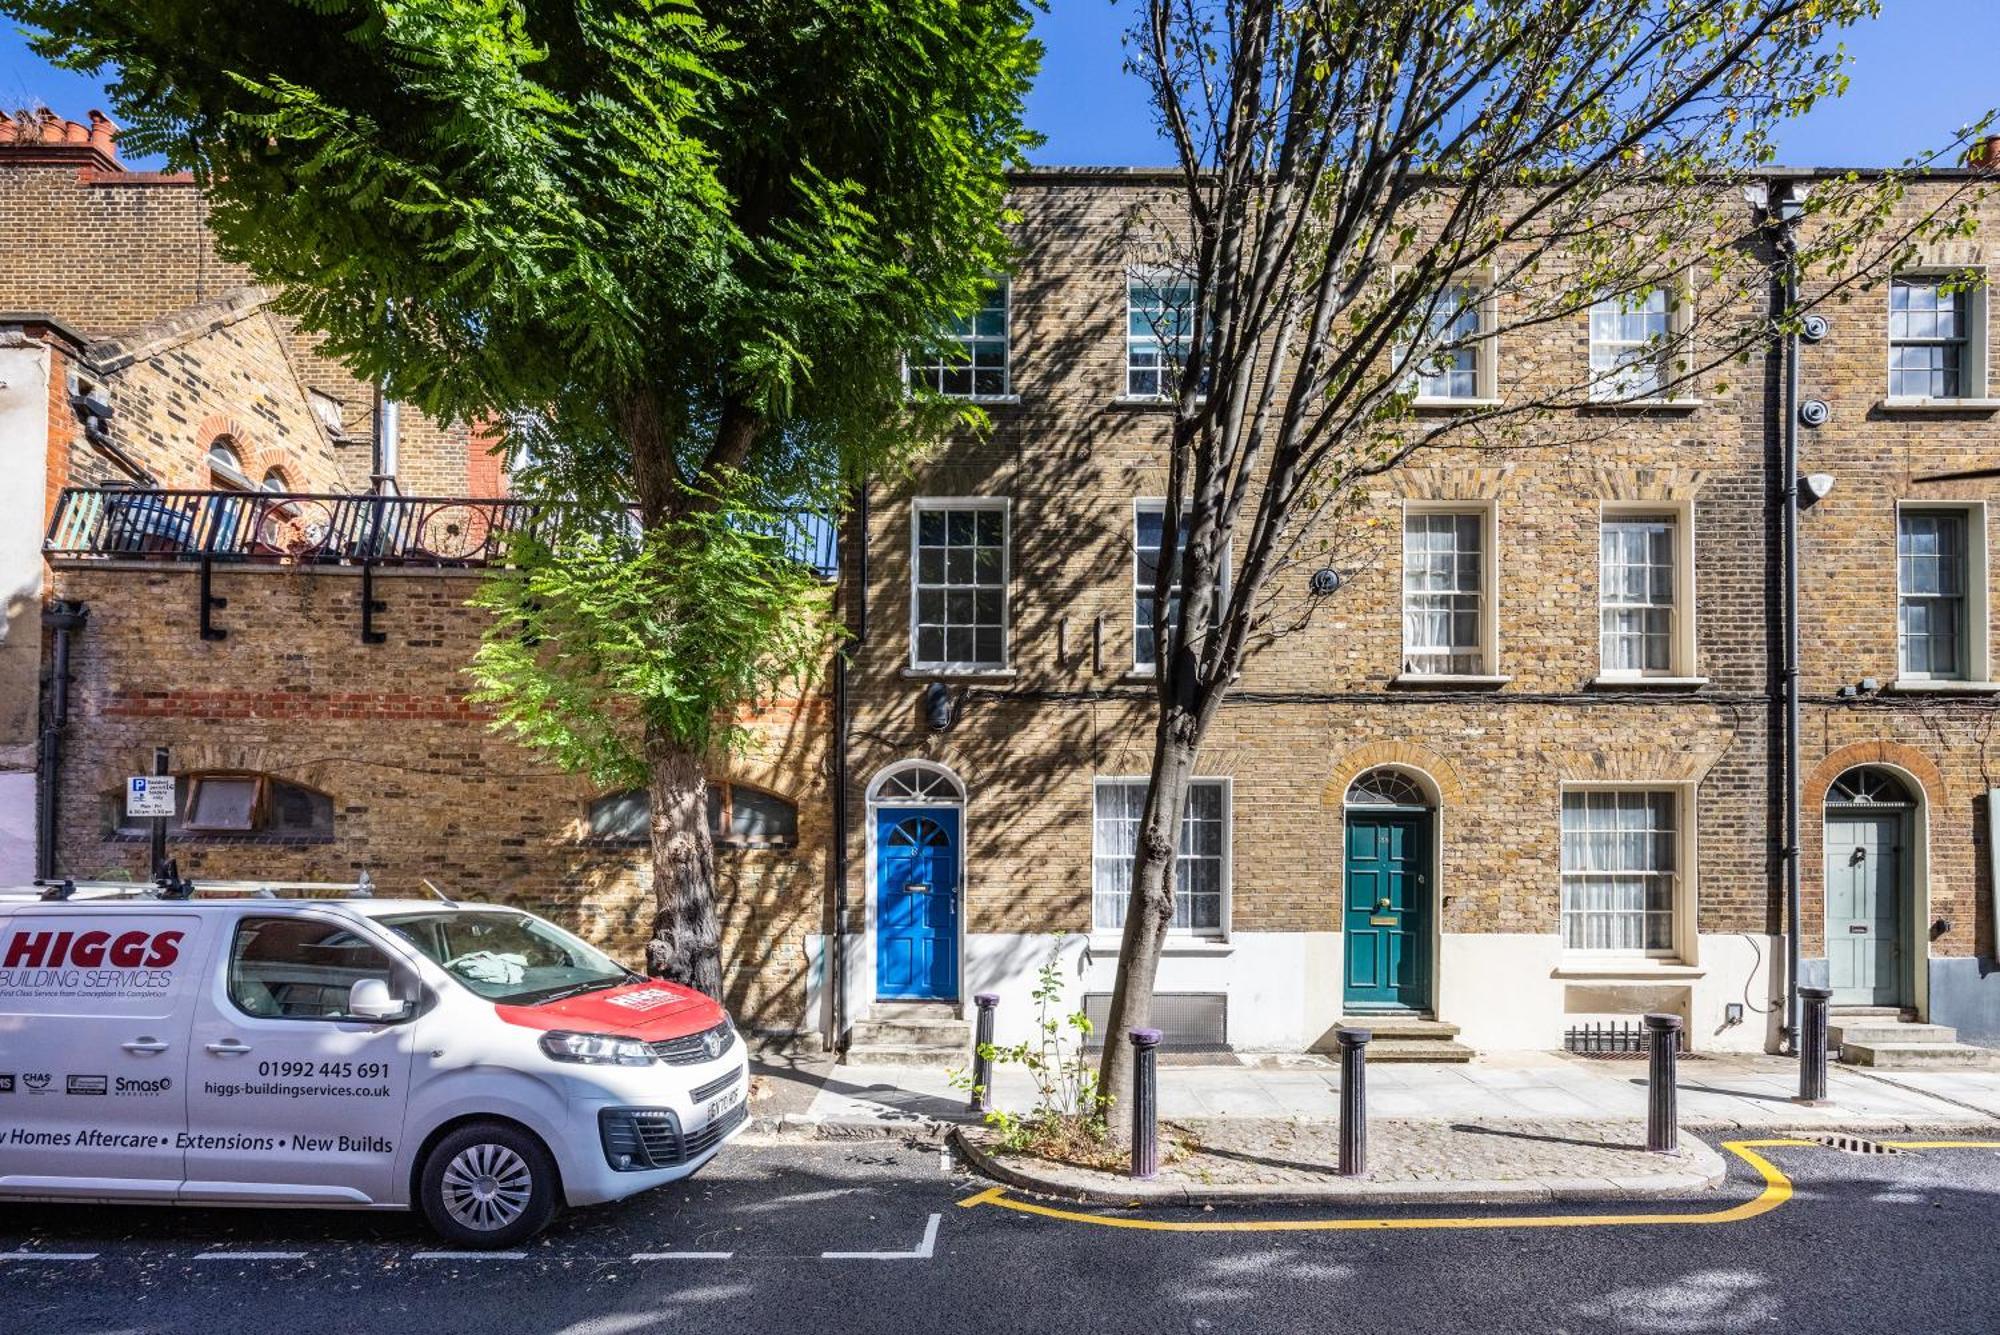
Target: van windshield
509	957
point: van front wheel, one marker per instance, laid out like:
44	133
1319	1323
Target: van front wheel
488	1185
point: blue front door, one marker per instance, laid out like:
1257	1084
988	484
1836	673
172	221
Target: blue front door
1386	928
916	903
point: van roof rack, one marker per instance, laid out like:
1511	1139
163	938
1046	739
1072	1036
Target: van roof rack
171	886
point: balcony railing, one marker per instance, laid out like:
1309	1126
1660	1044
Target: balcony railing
310	529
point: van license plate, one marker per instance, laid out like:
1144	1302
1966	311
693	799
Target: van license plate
717	1107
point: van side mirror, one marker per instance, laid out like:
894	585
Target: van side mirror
370	999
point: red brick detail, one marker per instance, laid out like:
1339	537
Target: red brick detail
63	431
293	705
484	475
258	457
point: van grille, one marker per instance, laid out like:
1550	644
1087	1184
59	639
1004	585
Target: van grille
692	1049
703	1093
639	1138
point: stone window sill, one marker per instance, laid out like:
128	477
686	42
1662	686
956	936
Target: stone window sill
1921	686
1142	403
1423	405
1108	946
1644	405
1636	970
958	674
1450	680
1984	406
1617	683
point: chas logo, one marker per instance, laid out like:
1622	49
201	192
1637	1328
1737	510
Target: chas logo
91	950
37	1082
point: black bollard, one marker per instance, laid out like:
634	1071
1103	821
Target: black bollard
1663	1035
1354	1101
1812	1045
982	1043
1145	1102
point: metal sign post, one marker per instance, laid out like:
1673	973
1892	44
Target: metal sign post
151	796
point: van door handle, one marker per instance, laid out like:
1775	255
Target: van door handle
145	1044
229	1047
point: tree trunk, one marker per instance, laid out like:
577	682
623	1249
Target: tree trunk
1149	914
687	941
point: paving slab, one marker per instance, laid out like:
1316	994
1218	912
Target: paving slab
1723	1092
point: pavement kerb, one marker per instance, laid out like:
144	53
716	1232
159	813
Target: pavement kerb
1707	1172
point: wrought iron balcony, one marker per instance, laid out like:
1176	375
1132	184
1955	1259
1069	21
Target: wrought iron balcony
312	529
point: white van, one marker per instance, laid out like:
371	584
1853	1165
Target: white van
471	1060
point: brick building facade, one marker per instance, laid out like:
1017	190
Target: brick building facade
996	703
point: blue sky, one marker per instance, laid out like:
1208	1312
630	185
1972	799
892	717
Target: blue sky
1919	72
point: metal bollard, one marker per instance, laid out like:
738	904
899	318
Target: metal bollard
1663	1033
1812	1045
1354	1101
1145	1102
982	1039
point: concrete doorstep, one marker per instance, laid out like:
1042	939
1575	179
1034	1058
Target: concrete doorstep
1245	1160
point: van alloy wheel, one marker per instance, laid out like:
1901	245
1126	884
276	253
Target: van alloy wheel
487	1186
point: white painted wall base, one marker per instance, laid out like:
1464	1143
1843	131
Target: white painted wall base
17	827
1506	992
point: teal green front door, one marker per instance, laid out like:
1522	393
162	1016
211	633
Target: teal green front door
1386	923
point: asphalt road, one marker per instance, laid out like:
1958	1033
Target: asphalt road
1903	1243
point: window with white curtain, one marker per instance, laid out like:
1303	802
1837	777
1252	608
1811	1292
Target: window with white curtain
1201	867
1620	870
1635	591
1629	336
1452	371
1444	593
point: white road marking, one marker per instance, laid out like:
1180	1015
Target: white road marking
48	1256
682	1256
247	1256
468	1256
944	1162
922	1253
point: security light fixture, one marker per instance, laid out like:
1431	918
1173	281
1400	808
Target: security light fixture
1816	486
938	712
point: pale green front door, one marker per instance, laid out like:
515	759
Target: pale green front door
1864	906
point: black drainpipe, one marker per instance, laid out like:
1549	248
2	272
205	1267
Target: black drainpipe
837	954
62	617
1787	208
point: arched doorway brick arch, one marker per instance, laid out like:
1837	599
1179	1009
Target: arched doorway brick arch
1927	784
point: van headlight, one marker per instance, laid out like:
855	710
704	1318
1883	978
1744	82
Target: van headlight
596	1049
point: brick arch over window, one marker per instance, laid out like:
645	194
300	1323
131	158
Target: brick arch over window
200	757
257	456
1399	755
1920	770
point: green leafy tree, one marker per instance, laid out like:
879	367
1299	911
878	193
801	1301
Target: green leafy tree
1348	170
679	246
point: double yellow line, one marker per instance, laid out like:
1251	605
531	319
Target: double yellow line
1777	1190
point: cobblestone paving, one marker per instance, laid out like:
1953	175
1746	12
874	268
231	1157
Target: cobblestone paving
1267	1151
